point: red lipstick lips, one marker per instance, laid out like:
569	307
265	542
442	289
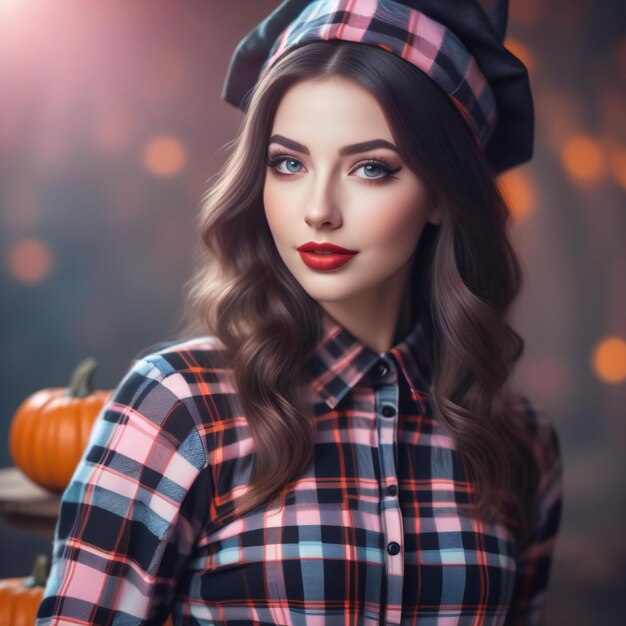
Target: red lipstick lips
325	256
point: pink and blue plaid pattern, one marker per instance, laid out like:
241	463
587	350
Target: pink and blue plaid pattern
371	533
411	35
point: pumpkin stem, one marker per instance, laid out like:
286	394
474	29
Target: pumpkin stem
39	574
80	381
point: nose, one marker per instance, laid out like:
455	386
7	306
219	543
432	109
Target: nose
322	209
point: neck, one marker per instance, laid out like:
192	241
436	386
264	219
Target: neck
378	319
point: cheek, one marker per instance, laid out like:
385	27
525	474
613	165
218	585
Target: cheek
397	224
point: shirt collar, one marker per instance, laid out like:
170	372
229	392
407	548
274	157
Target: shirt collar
339	361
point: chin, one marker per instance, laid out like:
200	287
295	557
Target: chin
328	294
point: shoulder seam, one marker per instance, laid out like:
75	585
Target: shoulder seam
182	401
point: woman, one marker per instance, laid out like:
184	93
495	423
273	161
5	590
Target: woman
333	438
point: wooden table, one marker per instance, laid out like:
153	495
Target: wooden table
25	505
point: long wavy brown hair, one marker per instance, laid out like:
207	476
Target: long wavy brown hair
464	279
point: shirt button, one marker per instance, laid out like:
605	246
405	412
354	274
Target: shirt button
380	369
389	410
392	490
393	547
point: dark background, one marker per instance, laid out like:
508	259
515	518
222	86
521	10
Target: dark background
111	124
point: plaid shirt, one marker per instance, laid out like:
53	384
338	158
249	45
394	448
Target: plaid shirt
369	534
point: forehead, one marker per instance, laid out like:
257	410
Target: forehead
334	108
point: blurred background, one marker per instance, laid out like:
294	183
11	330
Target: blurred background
111	124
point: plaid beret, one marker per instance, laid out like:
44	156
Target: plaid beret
457	43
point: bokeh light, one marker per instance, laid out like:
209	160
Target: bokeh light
164	156
518	192
29	260
583	159
608	360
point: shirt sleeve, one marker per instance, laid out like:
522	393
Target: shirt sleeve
131	513
534	563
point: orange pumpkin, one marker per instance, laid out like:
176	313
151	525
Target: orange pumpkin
20	597
51	428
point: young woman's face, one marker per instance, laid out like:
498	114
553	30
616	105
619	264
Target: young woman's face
334	176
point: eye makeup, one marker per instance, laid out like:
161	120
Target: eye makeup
276	158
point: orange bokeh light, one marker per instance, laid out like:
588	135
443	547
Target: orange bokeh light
29	260
164	156
583	159
518	192
609	360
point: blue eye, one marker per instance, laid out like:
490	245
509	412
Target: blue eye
285	165
292	165
371	170
375	171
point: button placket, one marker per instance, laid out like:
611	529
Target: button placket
387	401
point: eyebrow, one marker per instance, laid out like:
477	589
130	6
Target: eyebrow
354	148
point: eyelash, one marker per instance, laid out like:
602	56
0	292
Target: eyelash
274	159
